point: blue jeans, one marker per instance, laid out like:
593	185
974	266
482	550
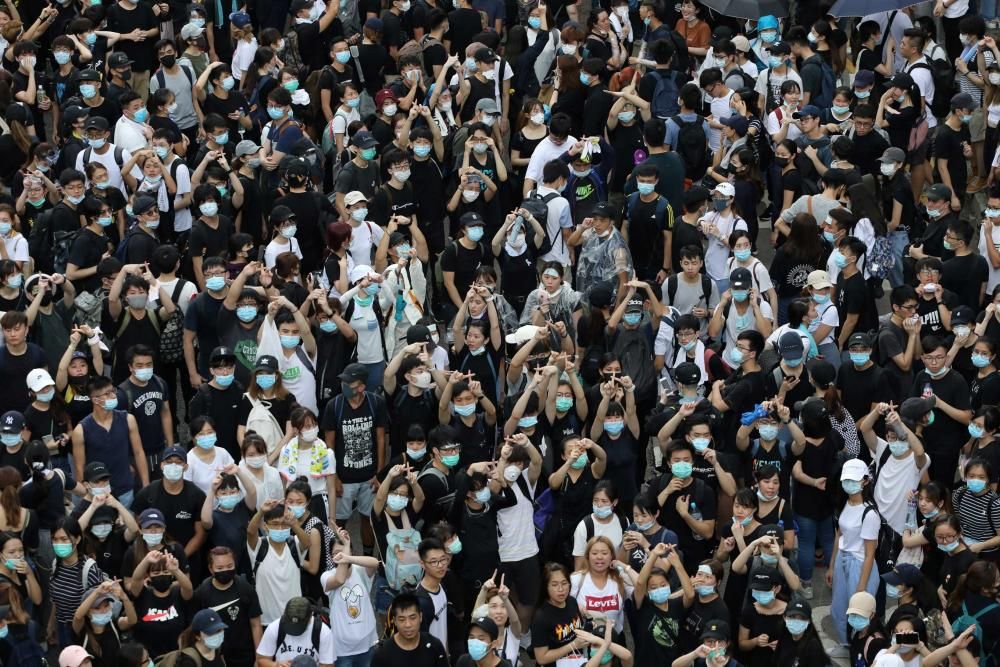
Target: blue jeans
898	240
988	9
809	531
126	498
830	353
359	660
846	575
376	373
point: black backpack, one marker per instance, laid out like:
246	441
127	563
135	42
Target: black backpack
691	147
889	542
706	289
664	103
538	207
945	85
828	83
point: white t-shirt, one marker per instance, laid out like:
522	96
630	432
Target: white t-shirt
925	82
268	488
17	247
759	276
108	160
775	83
994	275
827	315
736	324
276	247
182	179
341	119
557	219
317	482
365	237
243	57
365	324
720	109
516	526
717	252
605	600
352	613
294	646
277	582
298	379
546	151
773	124
187	295
129	135
852	533
439	623
200	473
895	480
611	530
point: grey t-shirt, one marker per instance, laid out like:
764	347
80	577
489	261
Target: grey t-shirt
690	296
180	84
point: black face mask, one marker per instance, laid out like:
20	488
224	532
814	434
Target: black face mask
782	161
168	61
161	582
126	74
225	576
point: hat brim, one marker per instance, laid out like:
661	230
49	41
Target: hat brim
226	357
216	627
154	522
860	612
892	578
350	377
739	285
823	285
713	635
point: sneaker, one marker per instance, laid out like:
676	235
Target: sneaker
807	591
838	651
975	185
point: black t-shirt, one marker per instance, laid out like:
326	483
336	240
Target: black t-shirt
892	340
354	435
953	567
309	209
806	651
16	460
703	497
596	109
181	511
222	405
374	58
352	177
87	250
463	262
41	424
233	102
237	606
645	235
853	298
948	145
859	389
146	405
867	150
817	462
965	276
161	620
13	370
554	627
930	313
658	633
982	391
202	318
941	437
409	410
108	554
208	242
518	274
684	234
758	624
463	25
434	54
430	652
125	21
135	332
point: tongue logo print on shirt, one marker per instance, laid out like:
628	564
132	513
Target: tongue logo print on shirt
160	615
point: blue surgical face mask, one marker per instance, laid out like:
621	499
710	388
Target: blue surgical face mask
862	94
857	622
477	648
850	486
740	295
328	326
891	591
659	595
976	485
246	313
742	255
768	432
736	355
289	342
528	422
206	441
704	591
614	427
209	208
763	597
949	547
230	501
899	447
102	619
839	259
701	444
839	109
774	62
632	319
602	511
975	430
421	150
279	534
465	410
860	358
681	469
980	360
829	236
265	381
475	234
214	641
215	283
645	188
796	626
144	374
769	559
483	495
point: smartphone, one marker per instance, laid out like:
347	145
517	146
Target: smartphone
260	254
665	384
907	638
355	52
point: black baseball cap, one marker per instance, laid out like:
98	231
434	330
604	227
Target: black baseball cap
354	373
94	471
222	355
687	374
765	579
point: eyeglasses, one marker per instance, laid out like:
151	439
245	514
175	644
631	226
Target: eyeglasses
438	562
937	358
909	306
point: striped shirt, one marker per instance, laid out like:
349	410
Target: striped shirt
978	515
67	589
964	84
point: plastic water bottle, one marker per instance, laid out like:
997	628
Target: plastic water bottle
400	306
911	512
696	515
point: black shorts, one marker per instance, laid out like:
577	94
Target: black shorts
524	579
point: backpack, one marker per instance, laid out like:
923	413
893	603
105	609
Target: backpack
263	546
173	659
681	60
172	334
828	83
416	48
691	146
748	81
445	501
588	524
62	243
665	214
945	86
25	651
40	239
538	207
672	284
320	617
545	507
967	620
161	78
262	422
880	258
889	542
312	87
633	349
664	102
404	569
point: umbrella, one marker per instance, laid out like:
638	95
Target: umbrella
867	7
749	9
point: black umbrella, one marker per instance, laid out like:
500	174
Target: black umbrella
868	7
749	9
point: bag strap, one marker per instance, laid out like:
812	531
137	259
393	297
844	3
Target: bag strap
887	32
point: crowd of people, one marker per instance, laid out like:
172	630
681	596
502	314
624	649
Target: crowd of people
487	333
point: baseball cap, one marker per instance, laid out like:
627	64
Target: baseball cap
471	219
174	450
914	408
775	531
893	154
246	147
740	279
207	621
239	19
818	279
862	604
859	340
600	295
299	5
419	333
89	74
790	346
725	189
375	24
687	374
39	379
298	612
221	353
152	517
95	471
117	60
74	113
864	78
715	629
765	579
854	469
485	55
73	656
486	624
101	597
634	305
96	123
359	272
280	214
821	373
364	139
266	362
780	49
939	192
812	409
354	373
12	422
720	33
741	43
963	315
142	204
962	101
904	573
353	197
604	210
190	31
808	111
487	104
799	607
900	80
738	123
